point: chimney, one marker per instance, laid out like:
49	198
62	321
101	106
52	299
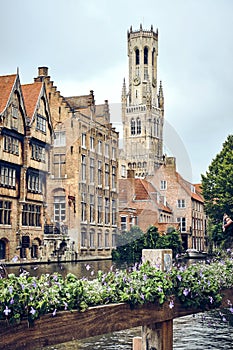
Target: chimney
42	71
130	174
171	162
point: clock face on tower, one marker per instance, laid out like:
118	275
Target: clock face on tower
136	81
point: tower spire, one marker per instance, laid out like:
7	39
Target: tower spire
160	96
123	94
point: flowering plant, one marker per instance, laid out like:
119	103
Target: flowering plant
198	285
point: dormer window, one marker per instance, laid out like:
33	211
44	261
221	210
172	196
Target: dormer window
41	123
193	189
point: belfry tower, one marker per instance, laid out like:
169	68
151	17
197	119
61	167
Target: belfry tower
142	105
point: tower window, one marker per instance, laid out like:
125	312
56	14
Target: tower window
138	126
153	57
133	131
145	55
137	57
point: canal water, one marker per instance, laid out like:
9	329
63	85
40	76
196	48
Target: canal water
202	331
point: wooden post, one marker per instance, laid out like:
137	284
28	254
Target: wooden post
137	343
160	258
158	336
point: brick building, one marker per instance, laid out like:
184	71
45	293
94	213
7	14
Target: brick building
26	134
83	184
186	202
141	204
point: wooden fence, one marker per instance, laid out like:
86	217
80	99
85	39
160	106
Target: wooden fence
67	326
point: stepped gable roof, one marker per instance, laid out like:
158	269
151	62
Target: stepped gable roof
100	110
31	94
79	102
6	86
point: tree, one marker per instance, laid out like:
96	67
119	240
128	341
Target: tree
130	244
171	240
151	237
217	185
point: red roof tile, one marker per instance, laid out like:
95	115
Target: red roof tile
140	190
6	85
31	94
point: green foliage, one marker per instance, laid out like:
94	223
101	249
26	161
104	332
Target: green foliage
198	285
217	189
130	244
217	184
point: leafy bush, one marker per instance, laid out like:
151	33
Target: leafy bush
196	286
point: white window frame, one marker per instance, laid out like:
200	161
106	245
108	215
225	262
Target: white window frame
181	203
60	138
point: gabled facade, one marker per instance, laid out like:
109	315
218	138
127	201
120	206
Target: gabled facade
26	136
186	202
83	201
141	204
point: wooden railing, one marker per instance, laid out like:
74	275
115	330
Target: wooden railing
67	326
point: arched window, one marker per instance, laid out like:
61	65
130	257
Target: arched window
153	57
35	248
137	57
133	131
145	55
2	249
83	237
139	128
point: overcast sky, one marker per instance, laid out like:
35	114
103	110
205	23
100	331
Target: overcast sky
84	44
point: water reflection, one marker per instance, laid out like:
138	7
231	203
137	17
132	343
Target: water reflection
79	269
202	331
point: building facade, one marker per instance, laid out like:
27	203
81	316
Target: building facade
26	135
142	106
186	202
140	204
83	184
